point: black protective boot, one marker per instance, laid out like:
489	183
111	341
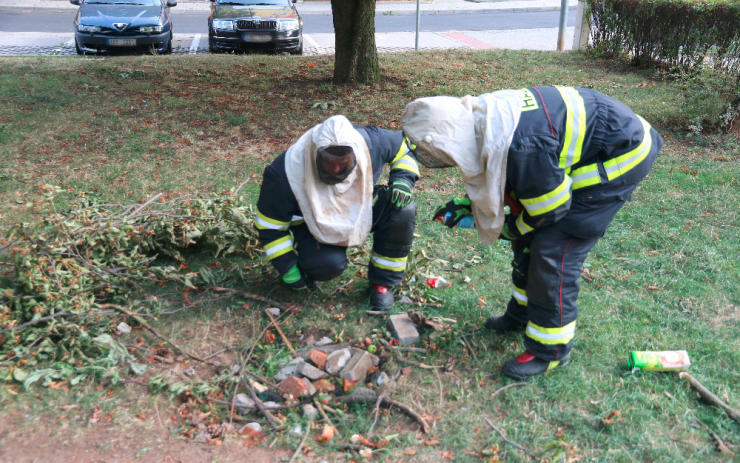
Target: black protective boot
504	324
527	365
381	297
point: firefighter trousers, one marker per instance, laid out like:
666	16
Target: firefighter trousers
547	264
393	235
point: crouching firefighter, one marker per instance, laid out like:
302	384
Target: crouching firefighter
564	160
319	197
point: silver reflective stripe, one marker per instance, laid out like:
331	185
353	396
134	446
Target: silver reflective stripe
520	295
578	179
575	126
563	336
388	264
269	251
626	162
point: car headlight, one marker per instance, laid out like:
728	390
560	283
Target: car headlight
223	24
288	24
149	29
86	28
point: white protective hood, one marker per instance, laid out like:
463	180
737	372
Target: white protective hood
473	133
338	214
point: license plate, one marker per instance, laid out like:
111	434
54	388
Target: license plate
256	38
122	42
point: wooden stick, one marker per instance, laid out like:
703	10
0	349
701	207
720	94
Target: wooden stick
372	397
512	443
709	396
469	347
270	417
721	446
303	442
502	389
280	332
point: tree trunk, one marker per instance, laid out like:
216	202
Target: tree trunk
356	57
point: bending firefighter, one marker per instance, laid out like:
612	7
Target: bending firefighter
319	197
564	160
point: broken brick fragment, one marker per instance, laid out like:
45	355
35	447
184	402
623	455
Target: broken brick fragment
318	358
293	387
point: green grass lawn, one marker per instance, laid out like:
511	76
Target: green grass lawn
665	276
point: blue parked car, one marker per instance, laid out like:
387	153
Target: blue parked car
131	25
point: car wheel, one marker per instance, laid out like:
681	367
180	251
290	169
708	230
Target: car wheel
299	49
79	50
168	50
211	46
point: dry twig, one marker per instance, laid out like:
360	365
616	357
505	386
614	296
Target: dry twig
721	446
707	395
368	395
502	389
512	443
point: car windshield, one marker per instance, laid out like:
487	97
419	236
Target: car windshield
252	2
124	2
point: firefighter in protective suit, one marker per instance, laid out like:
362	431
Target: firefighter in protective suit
564	160
319	197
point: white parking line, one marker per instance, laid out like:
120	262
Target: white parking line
194	44
311	42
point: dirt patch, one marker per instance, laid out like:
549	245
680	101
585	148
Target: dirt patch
54	439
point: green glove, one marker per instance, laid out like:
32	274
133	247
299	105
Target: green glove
453	211
293	278
509	231
400	194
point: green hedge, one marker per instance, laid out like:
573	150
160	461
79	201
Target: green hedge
680	33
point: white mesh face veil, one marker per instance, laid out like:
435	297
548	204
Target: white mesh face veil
474	134
339	213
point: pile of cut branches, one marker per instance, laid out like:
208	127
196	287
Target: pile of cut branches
67	275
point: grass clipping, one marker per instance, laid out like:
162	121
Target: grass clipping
66	273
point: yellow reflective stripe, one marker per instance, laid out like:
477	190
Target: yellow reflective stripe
548	201
279	247
296	220
553	364
624	163
575	126
394	264
522	226
520	295
403	149
585	176
551	336
406	163
265	223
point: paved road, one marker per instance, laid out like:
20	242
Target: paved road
26	31
195	22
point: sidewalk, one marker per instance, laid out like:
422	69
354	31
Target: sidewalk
324	7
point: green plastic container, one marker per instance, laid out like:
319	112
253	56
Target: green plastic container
664	360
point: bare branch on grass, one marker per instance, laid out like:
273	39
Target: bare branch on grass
721	446
502	389
707	395
274	422
368	395
512	443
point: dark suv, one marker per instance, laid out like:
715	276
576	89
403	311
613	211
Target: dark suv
255	24
108	25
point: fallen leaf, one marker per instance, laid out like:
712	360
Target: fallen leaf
430	442
410	452
652	288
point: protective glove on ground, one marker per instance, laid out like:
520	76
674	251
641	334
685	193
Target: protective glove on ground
453	211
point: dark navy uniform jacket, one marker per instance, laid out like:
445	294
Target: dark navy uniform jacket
277	207
576	149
